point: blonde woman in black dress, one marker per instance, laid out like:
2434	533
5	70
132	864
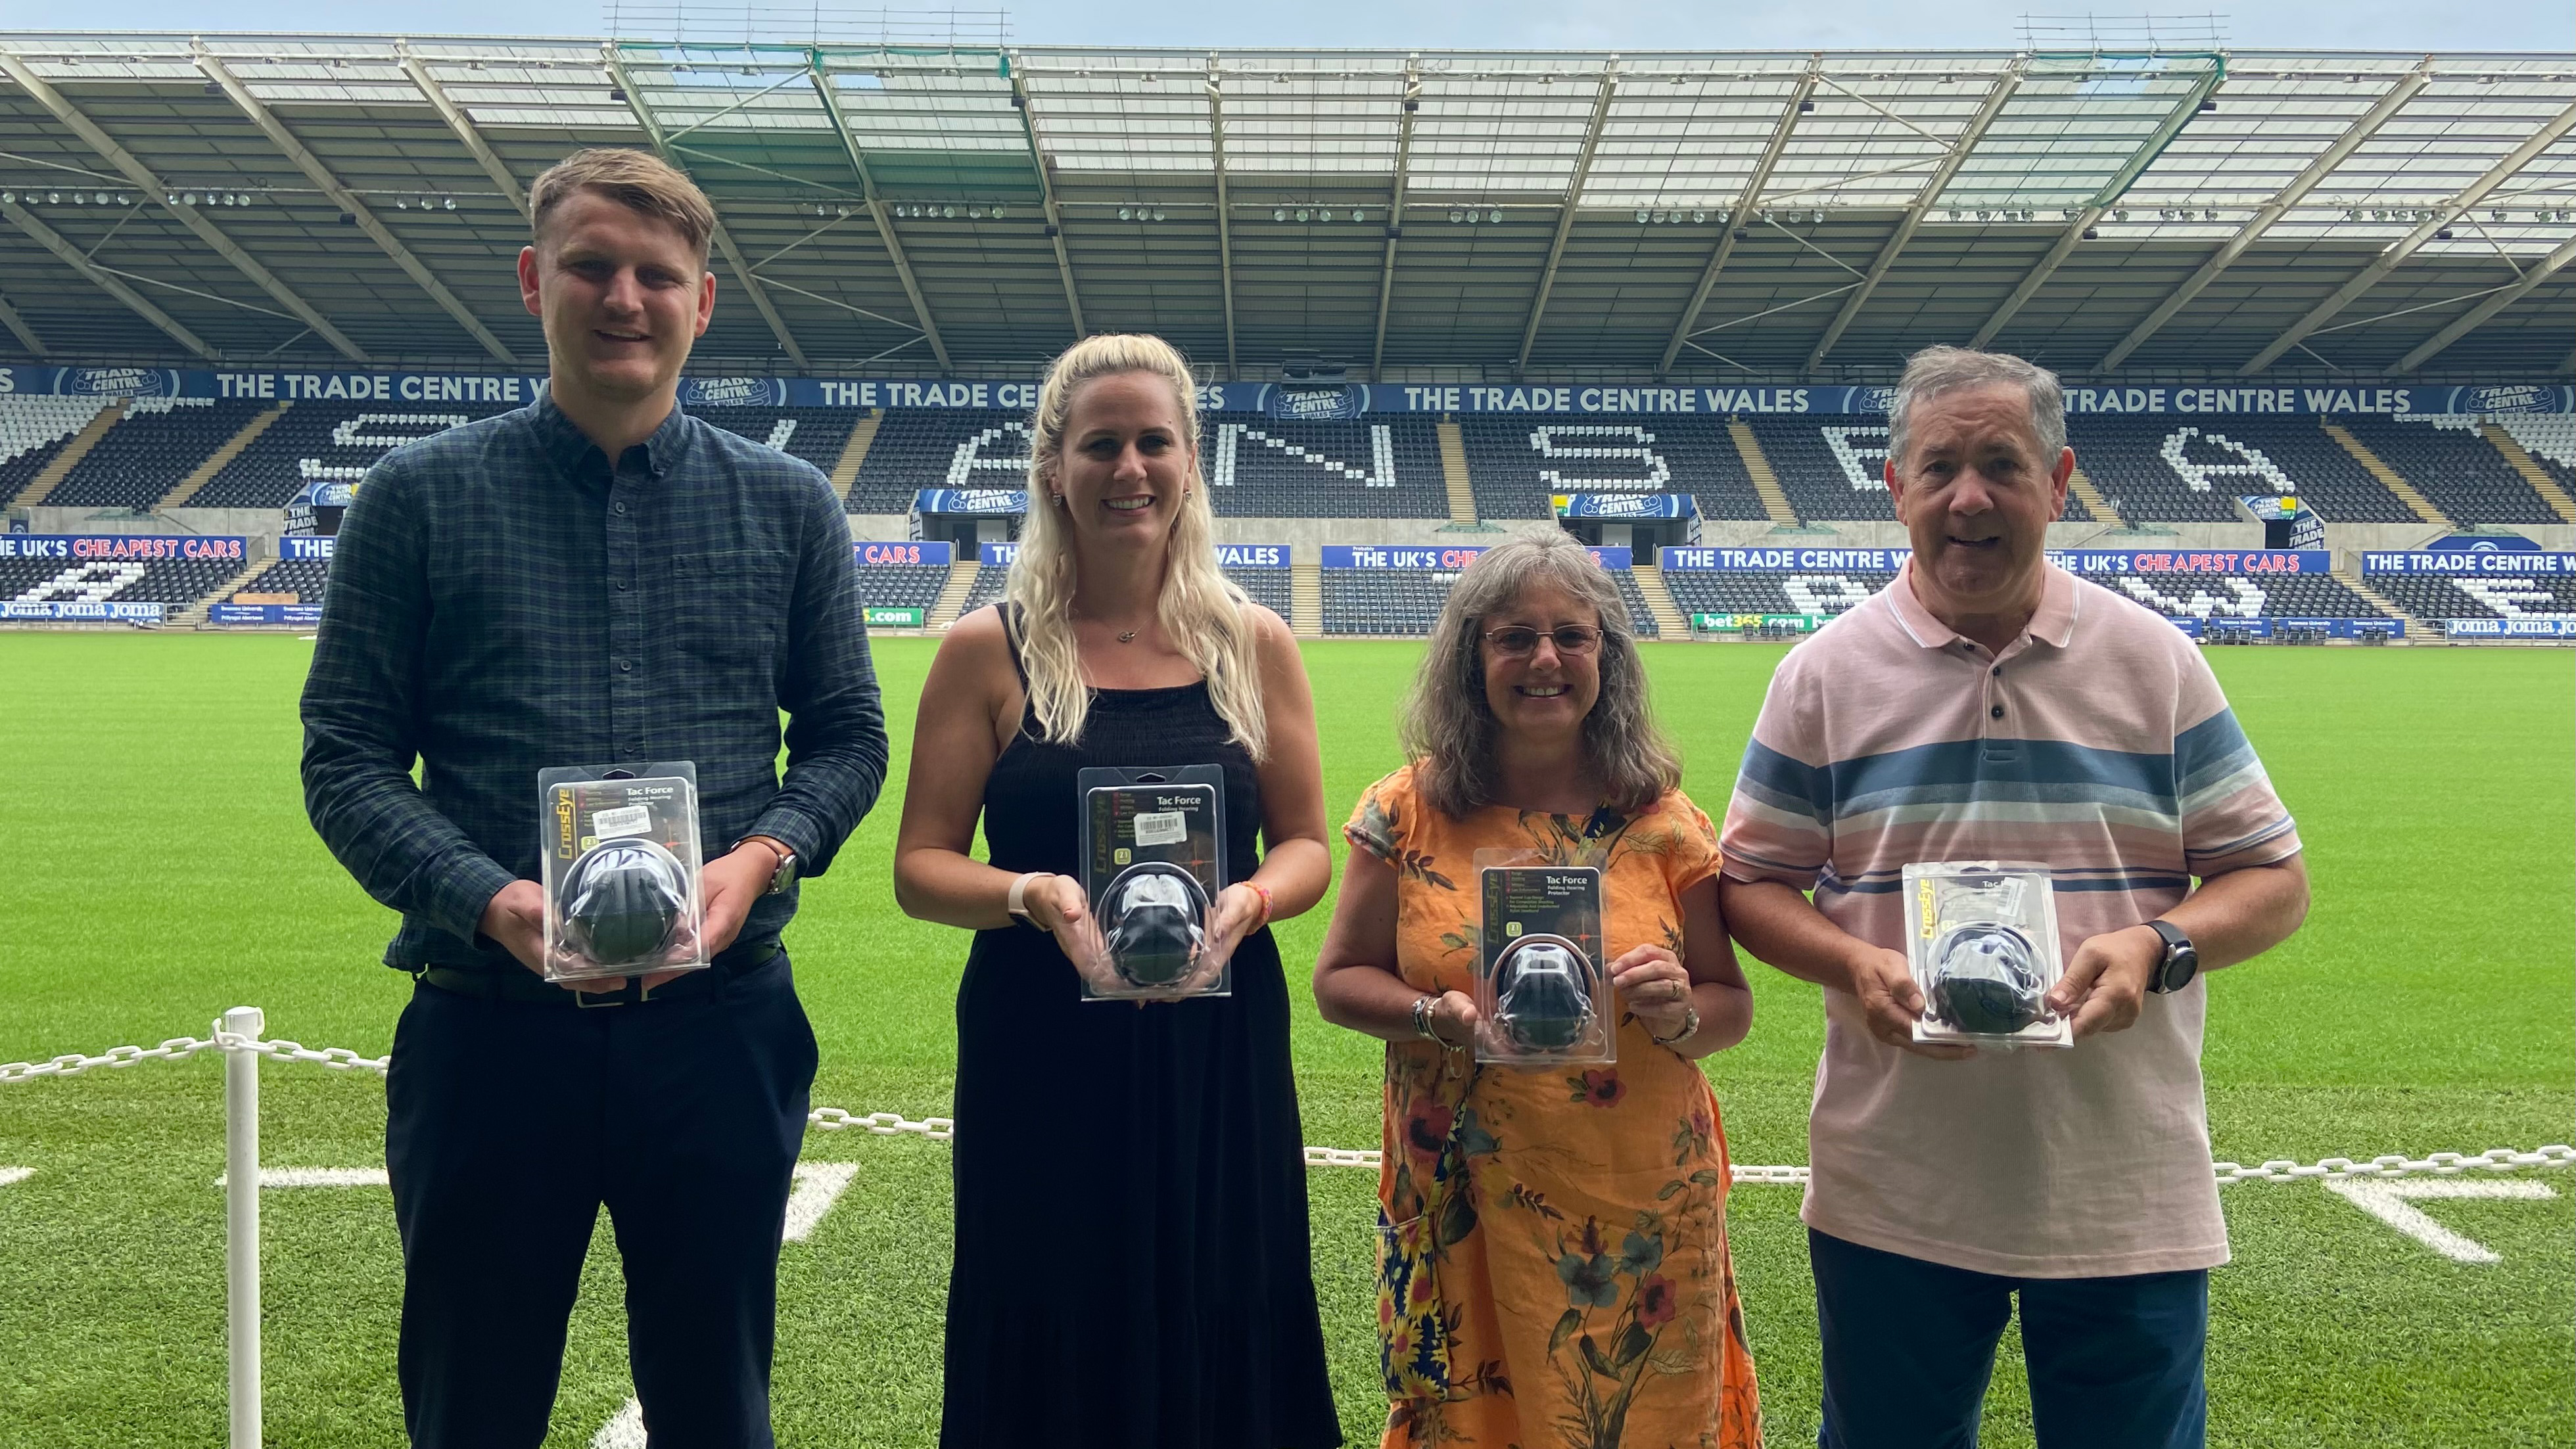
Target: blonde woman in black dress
1131	1265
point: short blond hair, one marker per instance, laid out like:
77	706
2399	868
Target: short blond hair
637	180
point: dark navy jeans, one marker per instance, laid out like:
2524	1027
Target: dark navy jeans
2115	1363
510	1124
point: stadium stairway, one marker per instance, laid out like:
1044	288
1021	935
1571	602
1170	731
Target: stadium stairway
2388	478
204	473
853	453
193	616
1306	595
952	599
73	451
1659	601
1462	496
2080	483
2350	577
2532	473
1766	484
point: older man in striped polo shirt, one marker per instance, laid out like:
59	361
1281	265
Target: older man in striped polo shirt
1987	705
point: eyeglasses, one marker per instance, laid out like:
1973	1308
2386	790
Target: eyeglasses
1520	642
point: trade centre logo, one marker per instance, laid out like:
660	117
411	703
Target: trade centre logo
118	382
733	392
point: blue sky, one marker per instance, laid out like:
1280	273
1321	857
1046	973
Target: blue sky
2519	25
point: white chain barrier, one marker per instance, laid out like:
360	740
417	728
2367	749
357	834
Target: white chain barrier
238	1036
944	1129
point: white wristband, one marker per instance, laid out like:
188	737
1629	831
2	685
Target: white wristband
1018	902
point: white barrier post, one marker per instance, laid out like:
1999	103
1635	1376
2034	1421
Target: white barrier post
241	1222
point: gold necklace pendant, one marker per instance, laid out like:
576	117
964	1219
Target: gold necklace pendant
1127	638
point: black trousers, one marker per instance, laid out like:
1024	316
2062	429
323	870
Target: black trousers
510	1124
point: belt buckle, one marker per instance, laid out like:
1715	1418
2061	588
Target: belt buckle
601	1000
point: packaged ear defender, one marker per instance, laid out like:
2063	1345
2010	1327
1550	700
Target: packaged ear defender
1981	938
1153	861
620	870
1542	991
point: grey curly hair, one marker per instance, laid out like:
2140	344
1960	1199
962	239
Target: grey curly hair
1449	731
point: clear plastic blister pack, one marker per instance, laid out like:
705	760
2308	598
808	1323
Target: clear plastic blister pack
620	869
1542	991
1153	862
1981	937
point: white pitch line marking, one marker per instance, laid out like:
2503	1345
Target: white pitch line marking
2388	1202
317	1177
625	1431
9	1175
818	1186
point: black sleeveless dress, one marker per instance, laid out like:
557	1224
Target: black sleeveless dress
1132	1267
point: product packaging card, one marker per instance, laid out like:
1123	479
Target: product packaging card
620	870
1981	937
1542	990
1153	861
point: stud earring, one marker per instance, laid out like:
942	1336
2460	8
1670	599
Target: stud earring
1057	499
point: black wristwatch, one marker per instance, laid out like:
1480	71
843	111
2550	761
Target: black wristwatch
2182	959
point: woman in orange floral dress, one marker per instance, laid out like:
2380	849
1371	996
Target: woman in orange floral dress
1552	1267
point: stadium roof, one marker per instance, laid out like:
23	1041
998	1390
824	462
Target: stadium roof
1437	216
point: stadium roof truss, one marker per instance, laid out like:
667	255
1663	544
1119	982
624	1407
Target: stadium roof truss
1439	217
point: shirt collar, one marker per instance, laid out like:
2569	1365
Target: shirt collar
570	447
2053	624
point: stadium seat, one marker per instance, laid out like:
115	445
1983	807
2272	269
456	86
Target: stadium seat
2146	466
2550	439
302	577
1831	592
1391	602
156	445
1829	467
902	586
335	440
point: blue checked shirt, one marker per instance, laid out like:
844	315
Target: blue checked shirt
504	600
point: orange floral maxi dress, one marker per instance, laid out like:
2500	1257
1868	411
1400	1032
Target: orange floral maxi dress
1552	1261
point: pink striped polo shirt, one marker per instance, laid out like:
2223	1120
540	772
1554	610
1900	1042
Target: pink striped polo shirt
2097	744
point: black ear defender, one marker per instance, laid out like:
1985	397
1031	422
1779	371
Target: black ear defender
1154	915
623	900
1543	993
1985	978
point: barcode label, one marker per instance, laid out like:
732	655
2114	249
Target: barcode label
1167	827
624	820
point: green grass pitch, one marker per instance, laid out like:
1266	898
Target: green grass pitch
159	869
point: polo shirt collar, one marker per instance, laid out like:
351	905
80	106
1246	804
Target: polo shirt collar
2053	625
569	446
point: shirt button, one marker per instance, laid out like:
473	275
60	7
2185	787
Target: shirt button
1997	711
1998	671
627	666
621	588
618	508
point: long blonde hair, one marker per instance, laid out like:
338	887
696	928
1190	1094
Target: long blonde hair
1203	612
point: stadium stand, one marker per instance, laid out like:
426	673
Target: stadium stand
33	430
2133	461
1830	470
338	440
158	442
902	586
1256	466
302	577
1369	601
1831	592
1801	592
1517	464
1640	618
2234	457
1268	587
917	448
2431	596
2451	463
2550	439
816	435
159	581
987	589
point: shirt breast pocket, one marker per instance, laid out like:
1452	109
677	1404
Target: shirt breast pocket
729	623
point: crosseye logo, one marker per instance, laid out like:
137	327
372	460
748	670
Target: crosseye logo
734	392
